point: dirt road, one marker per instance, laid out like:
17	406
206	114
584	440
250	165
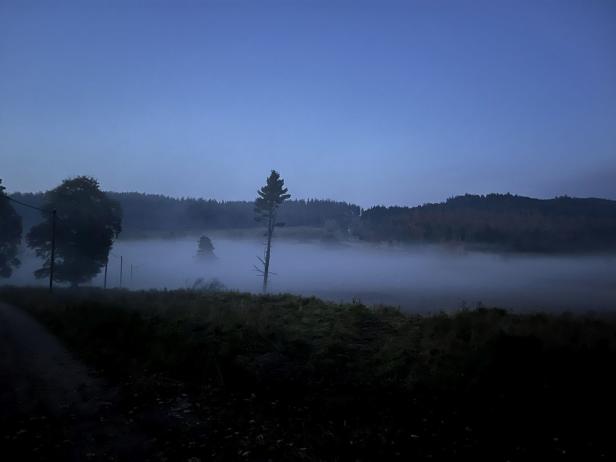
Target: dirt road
51	406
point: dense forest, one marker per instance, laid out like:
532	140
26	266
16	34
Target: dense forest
505	221
502	220
144	213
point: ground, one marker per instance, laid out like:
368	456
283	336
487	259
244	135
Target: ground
197	375
52	405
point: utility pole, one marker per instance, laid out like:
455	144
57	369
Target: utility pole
105	279
131	274
52	262
121	267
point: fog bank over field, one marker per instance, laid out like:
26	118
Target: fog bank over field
418	278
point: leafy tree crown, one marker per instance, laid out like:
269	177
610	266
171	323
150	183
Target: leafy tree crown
87	223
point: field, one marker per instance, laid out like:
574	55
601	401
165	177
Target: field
228	375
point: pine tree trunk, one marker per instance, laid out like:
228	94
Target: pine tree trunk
270	231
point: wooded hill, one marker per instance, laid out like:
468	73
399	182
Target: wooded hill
505	221
501	220
144	213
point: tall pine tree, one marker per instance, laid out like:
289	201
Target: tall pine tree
266	208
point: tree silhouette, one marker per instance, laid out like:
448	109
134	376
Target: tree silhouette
10	235
205	249
562	224
271	196
87	223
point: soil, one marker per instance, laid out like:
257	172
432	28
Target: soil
52	406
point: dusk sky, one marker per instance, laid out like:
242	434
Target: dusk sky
369	102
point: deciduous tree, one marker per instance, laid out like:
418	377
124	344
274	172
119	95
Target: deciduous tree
87	223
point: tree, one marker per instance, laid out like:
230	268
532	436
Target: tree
266	208
10	235
205	248
87	223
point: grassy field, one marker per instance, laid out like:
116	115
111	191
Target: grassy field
288	378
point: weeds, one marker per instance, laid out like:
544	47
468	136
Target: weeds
375	374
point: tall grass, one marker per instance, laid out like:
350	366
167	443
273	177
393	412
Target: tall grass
184	332
513	380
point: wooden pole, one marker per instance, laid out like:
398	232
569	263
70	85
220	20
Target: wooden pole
52	262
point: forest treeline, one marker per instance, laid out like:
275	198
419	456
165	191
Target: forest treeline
143	213
507	221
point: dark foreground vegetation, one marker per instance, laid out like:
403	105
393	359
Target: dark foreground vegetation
287	378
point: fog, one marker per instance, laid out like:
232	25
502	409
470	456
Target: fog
416	278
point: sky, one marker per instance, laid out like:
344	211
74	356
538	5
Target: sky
371	102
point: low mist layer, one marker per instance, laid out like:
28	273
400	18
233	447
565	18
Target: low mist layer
418	278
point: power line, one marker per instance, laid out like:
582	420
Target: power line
34	207
27	205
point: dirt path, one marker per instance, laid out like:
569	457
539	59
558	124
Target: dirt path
36	371
50	405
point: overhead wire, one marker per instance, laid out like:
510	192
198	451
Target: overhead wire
25	204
